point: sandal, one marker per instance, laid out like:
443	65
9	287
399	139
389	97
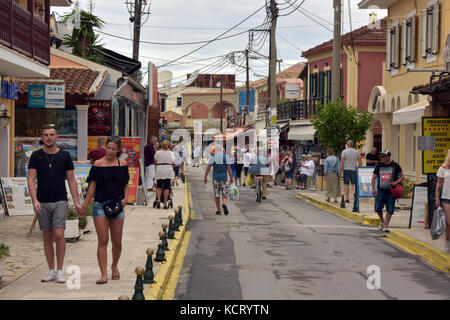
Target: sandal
218	213
100	281
115	276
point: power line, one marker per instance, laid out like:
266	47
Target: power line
296	8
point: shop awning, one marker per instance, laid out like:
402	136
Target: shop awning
410	114
302	132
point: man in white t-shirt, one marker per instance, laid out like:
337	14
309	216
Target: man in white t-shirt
306	170
247	160
350	157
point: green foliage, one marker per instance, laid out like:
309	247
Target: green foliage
408	187
90	208
337	123
84	41
4	251
82	221
71	213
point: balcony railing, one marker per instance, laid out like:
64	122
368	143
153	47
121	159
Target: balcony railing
21	31
300	109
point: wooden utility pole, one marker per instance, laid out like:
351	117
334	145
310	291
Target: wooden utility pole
337	42
247	84
273	59
137	30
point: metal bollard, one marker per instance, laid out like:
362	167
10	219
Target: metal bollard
160	254
139	286
164	240
171	233
148	274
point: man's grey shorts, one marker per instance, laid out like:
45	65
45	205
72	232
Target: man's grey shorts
53	215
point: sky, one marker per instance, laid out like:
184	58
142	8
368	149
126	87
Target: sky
181	21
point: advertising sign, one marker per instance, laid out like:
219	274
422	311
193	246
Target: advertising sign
99	118
46	96
364	180
16	196
419	205
440	129
131	151
133	184
243	101
81	172
292	91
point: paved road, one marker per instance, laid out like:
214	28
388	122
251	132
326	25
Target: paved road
285	248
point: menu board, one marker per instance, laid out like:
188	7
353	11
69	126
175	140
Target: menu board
418	208
364	180
133	184
17	198
131	151
440	129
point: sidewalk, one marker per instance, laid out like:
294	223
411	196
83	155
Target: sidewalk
27	265
416	241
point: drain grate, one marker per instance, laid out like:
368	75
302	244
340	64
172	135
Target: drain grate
290	243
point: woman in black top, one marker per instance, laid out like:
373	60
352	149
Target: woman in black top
108	179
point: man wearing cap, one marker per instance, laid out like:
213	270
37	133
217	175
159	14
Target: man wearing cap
388	174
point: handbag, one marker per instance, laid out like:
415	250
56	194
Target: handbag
112	208
438	223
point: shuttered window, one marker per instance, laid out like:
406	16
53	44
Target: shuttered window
429	31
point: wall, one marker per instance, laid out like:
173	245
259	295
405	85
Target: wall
370	74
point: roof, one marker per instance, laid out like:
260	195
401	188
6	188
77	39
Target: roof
292	72
436	86
363	36
77	81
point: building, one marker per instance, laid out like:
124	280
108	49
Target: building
24	53
416	38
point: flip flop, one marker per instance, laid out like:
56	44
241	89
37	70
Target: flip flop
100	281
115	277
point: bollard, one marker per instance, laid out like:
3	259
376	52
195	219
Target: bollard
164	240
342	202
176	222
171	233
149	275
160	254
180	216
139	286
123	297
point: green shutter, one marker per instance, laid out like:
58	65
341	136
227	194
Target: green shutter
311	85
321	84
329	84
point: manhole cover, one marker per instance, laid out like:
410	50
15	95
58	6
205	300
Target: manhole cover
290	243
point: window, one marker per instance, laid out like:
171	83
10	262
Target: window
179	101
429	34
393	47
313	87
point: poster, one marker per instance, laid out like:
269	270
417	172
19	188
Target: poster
419	204
364	180
46	96
92	143
99	118
81	172
440	129
17	198
131	151
133	184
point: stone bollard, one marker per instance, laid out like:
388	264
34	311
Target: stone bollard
171	233
148	274
342	202
160	254
139	286
176	222
123	297
164	240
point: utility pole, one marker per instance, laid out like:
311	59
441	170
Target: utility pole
247	83
273	60
221	105
337	43
137	29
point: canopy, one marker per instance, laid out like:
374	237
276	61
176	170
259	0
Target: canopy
301	132
410	114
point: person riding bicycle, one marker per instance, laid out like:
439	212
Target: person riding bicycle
259	166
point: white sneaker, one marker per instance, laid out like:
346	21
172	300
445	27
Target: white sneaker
50	276
60	276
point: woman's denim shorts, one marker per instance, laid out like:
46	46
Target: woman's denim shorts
98	212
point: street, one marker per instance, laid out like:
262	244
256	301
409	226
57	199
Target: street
286	249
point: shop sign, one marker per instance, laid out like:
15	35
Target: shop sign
440	129
46	96
292	91
173	124
133	184
364	181
8	90
131	151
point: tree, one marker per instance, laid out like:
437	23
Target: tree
337	123
84	41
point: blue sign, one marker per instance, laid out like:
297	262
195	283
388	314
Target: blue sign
8	90
36	96
364	180
243	101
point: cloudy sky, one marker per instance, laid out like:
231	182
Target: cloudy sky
181	21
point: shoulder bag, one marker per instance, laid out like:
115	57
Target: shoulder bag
112	207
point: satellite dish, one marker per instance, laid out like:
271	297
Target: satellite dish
165	78
192	77
447	54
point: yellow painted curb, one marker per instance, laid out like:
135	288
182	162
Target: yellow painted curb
156	290
344	213
435	257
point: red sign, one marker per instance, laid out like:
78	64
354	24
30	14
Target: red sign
133	184
99	118
131	151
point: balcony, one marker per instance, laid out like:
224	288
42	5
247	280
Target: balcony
22	32
300	109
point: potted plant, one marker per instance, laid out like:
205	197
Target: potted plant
4	253
72	224
90	220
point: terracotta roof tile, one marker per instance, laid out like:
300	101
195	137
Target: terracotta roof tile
78	81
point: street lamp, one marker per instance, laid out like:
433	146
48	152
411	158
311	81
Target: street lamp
220	84
4	118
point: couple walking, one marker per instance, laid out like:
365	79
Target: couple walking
108	184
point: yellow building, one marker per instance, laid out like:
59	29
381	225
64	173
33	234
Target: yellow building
416	37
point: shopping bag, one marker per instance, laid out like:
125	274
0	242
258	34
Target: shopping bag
249	180
438	223
234	192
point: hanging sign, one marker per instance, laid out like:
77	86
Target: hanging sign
46	96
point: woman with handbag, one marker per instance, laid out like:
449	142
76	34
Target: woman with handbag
444	201
331	173
108	184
